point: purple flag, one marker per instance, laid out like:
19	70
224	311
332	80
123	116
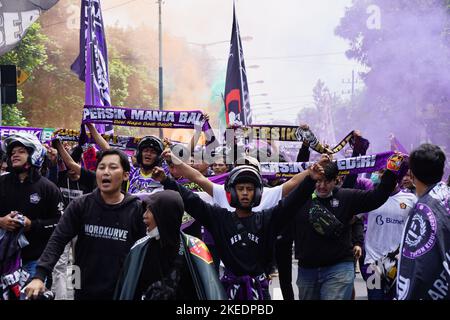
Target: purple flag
397	146
91	66
237	100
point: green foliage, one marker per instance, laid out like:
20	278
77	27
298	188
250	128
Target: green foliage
27	56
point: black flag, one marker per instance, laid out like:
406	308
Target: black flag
236	97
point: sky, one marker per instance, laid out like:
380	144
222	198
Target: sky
292	43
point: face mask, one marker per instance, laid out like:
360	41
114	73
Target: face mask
375	177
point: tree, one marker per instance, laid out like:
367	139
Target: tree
404	44
29	55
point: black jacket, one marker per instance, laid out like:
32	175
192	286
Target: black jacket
314	250
244	252
40	201
105	236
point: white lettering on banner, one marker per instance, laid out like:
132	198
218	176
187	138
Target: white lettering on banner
103	114
357	162
403	285
190	117
105	232
446	263
289	167
440	288
15	25
6	132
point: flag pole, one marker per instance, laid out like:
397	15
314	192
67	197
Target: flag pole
161	101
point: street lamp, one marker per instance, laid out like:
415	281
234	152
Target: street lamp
261	103
259	95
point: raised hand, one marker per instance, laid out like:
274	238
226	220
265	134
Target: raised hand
316	171
158	174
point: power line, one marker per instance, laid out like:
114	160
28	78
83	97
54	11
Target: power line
312	55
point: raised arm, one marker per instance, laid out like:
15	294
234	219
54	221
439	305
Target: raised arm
99	140
291	184
68	161
193	204
365	201
286	209
189	173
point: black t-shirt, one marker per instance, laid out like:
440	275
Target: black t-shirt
73	189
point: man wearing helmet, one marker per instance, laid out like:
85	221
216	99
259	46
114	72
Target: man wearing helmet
148	156
24	191
244	237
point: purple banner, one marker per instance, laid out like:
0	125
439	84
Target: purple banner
144	117
43	134
353	165
91	66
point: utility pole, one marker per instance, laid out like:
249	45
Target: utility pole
161	101
352	82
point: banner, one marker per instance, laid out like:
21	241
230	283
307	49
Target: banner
91	65
144	117
236	96
290	134
353	165
119	142
43	134
16	16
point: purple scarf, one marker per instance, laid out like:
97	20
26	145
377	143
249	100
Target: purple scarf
245	287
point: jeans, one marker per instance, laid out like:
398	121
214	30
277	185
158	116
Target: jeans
326	283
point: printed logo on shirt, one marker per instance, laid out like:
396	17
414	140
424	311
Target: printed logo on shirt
420	233
35	198
237	238
380	221
335	203
70	194
403	205
105	232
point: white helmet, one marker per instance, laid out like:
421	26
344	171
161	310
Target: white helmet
35	149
